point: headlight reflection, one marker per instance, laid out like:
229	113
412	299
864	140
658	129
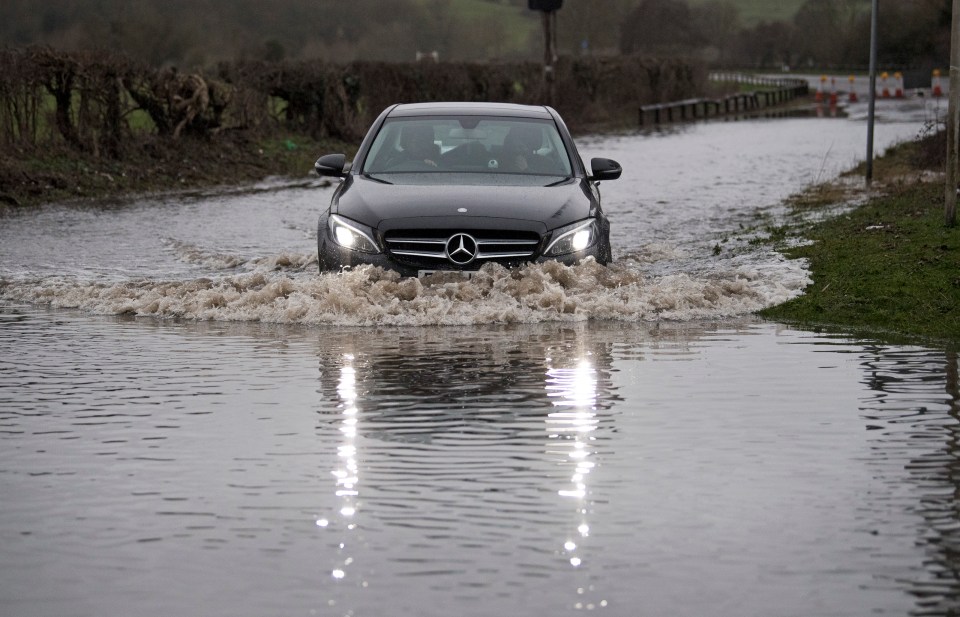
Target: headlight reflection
574	395
346	473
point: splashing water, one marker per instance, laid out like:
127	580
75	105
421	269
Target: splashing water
370	295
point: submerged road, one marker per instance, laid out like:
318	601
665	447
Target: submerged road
194	422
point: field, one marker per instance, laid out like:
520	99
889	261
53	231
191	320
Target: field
753	12
515	25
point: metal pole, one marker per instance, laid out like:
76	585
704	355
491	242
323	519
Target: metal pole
953	120
547	38
549	51
873	86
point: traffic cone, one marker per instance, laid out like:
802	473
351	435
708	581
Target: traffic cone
937	89
833	91
885	89
818	97
898	92
853	91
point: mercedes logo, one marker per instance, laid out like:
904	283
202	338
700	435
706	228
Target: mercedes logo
461	249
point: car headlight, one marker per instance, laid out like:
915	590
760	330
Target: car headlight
573	238
352	235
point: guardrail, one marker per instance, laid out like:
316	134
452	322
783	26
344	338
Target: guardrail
783	91
755	80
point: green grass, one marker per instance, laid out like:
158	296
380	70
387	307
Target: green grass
479	9
52	174
890	266
514	25
753	12
137	120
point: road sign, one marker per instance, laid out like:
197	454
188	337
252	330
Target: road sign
545	5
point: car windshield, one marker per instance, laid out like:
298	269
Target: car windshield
468	144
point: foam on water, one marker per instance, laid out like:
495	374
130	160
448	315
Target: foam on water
277	291
193	254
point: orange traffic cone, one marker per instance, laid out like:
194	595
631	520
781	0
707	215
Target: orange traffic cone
898	87
937	88
833	91
884	88
853	90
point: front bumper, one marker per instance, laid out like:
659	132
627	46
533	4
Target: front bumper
334	258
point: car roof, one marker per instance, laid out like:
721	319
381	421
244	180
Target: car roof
470	109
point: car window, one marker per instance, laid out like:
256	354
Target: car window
468	144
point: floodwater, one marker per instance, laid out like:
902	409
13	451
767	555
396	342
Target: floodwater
194	422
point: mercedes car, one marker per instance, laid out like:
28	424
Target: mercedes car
438	187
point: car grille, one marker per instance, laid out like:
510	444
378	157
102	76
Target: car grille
428	247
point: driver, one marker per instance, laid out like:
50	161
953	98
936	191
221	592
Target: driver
520	146
418	145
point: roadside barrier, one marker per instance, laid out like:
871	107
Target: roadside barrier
782	91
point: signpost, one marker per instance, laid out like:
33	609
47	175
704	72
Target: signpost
548	9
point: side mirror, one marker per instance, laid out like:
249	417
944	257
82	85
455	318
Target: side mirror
331	165
604	169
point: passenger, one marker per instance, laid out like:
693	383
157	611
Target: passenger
418	145
520	149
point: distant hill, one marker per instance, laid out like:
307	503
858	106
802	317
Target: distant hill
518	26
204	32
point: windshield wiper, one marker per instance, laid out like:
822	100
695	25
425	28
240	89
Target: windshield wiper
376	179
560	181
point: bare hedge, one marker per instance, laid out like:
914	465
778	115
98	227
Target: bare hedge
99	102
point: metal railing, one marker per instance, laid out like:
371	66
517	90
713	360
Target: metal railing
779	91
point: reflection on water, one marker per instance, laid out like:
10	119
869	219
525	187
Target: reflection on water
906	405
450	434
728	468
570	435
347	473
725	468
569	430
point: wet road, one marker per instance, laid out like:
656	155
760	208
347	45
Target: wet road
193	422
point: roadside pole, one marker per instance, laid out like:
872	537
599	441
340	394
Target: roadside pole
953	119
548	10
873	87
549	53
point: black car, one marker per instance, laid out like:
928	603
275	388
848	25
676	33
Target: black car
453	186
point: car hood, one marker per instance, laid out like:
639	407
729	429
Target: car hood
382	205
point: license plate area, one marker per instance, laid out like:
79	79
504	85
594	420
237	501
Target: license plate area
465	274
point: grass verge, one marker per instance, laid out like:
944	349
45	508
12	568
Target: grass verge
154	165
890	265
